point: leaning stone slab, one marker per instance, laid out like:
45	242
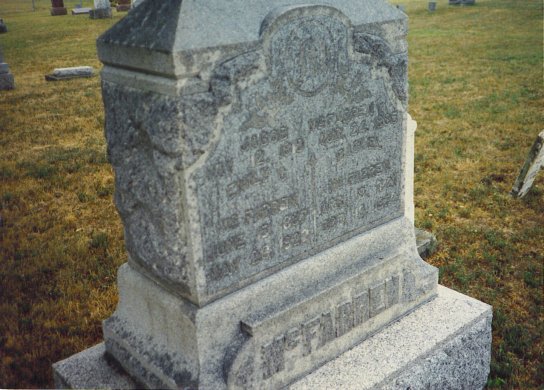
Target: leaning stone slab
70	73
445	345
533	164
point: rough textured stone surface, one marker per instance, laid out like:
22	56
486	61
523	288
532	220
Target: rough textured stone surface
533	164
91	368
279	159
447	344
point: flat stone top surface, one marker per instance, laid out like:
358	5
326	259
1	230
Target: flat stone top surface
188	25
417	335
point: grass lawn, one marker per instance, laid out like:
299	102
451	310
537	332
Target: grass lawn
476	90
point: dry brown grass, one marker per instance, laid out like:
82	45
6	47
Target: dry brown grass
476	92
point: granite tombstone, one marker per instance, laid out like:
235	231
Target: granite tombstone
261	177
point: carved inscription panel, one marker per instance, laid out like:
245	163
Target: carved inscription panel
309	153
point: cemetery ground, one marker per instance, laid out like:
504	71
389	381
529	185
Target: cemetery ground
476	90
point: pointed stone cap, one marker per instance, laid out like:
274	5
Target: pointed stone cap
178	39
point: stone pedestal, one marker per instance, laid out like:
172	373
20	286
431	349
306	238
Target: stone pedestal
442	345
58	8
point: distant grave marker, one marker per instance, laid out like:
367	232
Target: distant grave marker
102	10
7	80
3	27
533	164
58	8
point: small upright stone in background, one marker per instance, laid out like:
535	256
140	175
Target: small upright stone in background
58	8
123	5
102	10
432	6
3	27
533	164
6	78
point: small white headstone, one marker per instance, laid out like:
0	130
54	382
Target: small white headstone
100	4
533	164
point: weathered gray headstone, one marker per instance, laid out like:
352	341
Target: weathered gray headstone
7	80
261	167
102	10
533	164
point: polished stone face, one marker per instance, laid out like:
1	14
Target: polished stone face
305	154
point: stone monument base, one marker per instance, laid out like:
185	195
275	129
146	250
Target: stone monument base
56	11
442	344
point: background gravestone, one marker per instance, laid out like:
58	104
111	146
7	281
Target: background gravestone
7	80
531	167
102	9
58	8
261	179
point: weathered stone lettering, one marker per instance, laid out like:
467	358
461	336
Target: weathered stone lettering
326	329
273	357
360	308
377	299
344	318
